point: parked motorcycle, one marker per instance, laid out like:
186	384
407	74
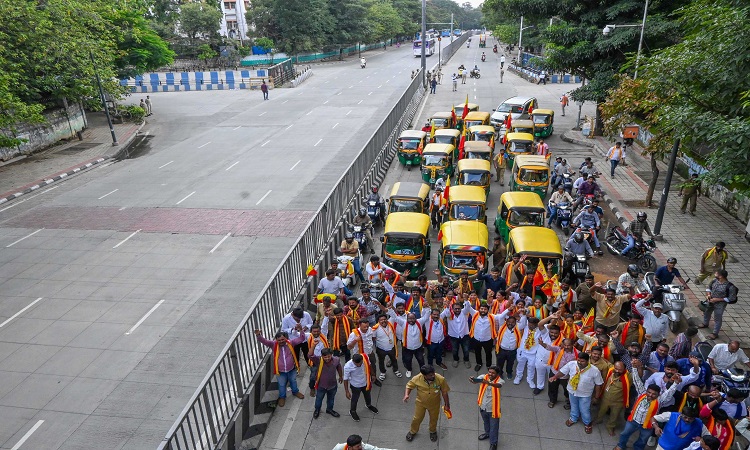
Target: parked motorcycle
671	297
616	241
732	378
359	235
563	215
345	267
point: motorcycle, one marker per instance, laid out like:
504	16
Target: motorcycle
359	235
567	182
362	63
587	233
671	297
346	272
483	58
578	268
563	215
731	378
494	49
373	210
616	241
377	292
474	74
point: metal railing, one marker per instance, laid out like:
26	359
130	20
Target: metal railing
212	415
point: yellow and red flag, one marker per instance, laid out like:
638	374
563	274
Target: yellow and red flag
319	298
540	276
466	108
311	272
447	188
454	119
432	133
461	145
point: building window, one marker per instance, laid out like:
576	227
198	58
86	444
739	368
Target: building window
232	25
230	5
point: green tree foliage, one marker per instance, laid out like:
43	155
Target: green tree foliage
200	19
139	48
384	20
350	17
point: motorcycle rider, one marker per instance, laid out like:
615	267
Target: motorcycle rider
483	57
630	280
559	196
362	62
588	169
635	231
588	187
560	170
374	196
350	247
589	219
576	245
363	219
667	274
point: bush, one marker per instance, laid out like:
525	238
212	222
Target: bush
133	113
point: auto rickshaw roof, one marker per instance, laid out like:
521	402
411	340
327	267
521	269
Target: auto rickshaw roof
532	161
468	194
482	129
546	112
520	136
477	115
412	134
474	164
471	106
522	123
535	241
407	223
410	190
477	146
467	233
516	199
438	149
447	132
441	115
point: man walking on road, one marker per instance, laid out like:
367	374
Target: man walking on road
564	102
502	61
489	403
500	164
713	259
433	85
719	293
430	388
148	105
614	155
690	190
455	82
357	374
264	90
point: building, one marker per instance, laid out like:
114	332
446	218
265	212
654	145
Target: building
234	25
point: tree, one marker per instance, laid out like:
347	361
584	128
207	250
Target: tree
199	19
352	26
314	14
140	49
384	20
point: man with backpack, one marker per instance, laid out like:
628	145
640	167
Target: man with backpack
719	293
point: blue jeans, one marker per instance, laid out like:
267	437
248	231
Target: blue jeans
552	214
331	396
358	269
613	163
287	377
491	425
463	343
435	352
580	407
630	246
630	428
348	291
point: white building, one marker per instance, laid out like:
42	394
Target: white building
234	24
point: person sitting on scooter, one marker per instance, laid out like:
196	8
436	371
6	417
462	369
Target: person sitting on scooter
350	247
363	219
588	219
667	274
559	196
555	163
588	187
483	57
589	169
577	245
630	280
379	200
635	231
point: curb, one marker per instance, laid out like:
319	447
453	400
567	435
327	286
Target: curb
70	171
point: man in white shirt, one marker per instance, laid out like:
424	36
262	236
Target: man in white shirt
502	61
578	182
457	319
296	324
655	323
362	340
434	334
483	330
527	352
550	335
386	343
509	339
559	196
375	269
614	155
355	376
584	380
724	356
412	339
354	442
331	284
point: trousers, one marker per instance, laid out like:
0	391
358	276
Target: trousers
406	357
419	412
355	397
612	405
491	425
717	309
554	388
290	378
435	353
526	360
391	354
485	346
506	358
542	371
691	200
330	395
630	428
462	342
580	407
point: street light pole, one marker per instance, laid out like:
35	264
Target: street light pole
104	101
520	35
665	190
640	42
424	40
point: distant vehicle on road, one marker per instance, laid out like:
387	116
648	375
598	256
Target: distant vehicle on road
429	50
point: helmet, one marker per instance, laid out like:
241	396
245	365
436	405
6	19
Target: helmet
362	211
349	236
671	260
633	270
641	216
578	237
374	189
389	273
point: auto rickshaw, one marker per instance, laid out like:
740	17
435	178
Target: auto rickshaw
477	150
518	209
536	243
471	107
518	144
409	197
463	244
467	203
437	162
406	242
476	118
485	133
441	120
410	144
474	172
530	173
522	126
448	136
543	120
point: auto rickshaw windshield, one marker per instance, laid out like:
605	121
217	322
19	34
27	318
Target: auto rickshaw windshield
466	212
410	144
398	205
533	176
434	160
475	178
520	146
522	218
404	245
460	260
483	137
440	122
541	120
440	139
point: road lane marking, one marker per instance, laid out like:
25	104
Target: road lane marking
351	86
284	101
339	93
290	126
263	198
124	207
29	198
359	102
107	165
264	144
263	113
25	237
370	93
295	165
143	319
387	81
165	165
205	144
380	86
337	124
20	312
126	239
309	113
325	102
319	141
220	242
186	197
286	429
237	128
29	433
350	111
107	194
232	165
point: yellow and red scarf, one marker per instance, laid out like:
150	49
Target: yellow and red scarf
354	314
320	371
540	313
393	331
474	322
609	379
368	374
360	341
311	344
652	409
431	325
276	355
406	332
410	303
713	428
496	413
569	331
623	338
684	400
501	333
558	357
568	301
337	329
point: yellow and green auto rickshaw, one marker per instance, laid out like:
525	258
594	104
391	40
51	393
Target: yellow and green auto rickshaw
477	150
518	144
409	197
476	118
543	120
437	162
410	144
441	120
484	133
471	107
467	203
474	172
518	209
448	136
522	126
463	244
406	242
530	173
536	243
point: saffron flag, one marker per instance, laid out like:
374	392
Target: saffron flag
432	134
461	145
552	287
447	188
588	320
540	276
311	272
454	119
466	108
508	120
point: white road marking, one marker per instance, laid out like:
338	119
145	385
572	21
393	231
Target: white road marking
220	242
339	93
290	126
337	124
165	165
284	101
264	144
126	239
237	128
326	82
387	81
325	102
475	97
286	429
359	102
107	194
20	312
351	86
309	113
186	197
205	144
263	113
31	431
125	206
370	93
27	236
380	86
350	111
232	165
150	311
319	141
295	165
27	199
263	198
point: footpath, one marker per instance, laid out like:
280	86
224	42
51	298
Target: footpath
23	175
686	237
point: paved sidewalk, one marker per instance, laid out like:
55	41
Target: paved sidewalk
26	174
685	236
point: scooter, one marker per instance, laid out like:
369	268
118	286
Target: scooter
346	270
578	268
494	49
359	235
377	292
567	183
474	74
483	58
563	215
616	240
731	378
671	298
373	210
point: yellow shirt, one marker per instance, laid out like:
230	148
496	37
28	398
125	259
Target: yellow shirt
608	315
429	392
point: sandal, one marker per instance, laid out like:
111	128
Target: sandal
409	436
588	429
551	405
567	406
433	437
569	423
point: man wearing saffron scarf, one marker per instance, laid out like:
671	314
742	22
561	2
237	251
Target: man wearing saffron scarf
362	341
326	367
339	329
294	324
489	403
386	342
285	364
671	375
584	383
483	331
614	396
644	408
560	356
550	335
357	375
457	320
718	424
527	352
354	442
412	339
631	331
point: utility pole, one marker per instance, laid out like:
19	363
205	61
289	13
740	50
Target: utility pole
104	101
520	35
665	190
451	28
424	39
